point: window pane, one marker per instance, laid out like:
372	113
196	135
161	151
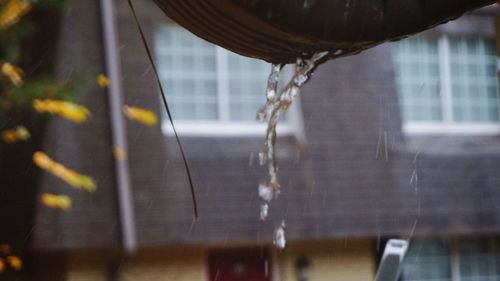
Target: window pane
193	74
247	86
417	76
187	67
479	260
474	80
427	260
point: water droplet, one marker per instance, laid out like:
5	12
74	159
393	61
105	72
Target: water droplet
290	95
261	115
276	106
272	81
266	192
264	210
300	80
279	236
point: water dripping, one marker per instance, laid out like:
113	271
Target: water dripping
264	210
279	236
277	104
266	193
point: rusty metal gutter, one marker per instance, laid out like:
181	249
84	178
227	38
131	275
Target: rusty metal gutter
279	31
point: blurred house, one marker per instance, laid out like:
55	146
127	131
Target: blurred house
399	141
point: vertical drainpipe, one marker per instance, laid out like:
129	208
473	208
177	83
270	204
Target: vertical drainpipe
118	127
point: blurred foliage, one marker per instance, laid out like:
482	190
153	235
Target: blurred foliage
13	41
38	88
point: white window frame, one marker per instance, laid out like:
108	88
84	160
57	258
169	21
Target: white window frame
224	126
447	126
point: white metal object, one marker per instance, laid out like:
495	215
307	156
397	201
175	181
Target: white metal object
390	264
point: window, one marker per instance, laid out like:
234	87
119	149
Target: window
479	260
464	260
447	84
211	90
427	260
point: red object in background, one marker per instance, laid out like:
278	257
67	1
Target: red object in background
249	264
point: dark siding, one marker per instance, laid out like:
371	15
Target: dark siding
456	194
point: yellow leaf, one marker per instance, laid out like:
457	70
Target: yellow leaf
102	81
20	133
67	110
140	115
59	171
42	160
13	11
119	153
62	202
84	182
14	73
71	177
9	136
15	262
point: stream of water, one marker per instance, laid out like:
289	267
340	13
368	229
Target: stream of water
278	102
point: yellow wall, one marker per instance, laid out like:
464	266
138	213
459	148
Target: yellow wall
167	265
330	261
86	274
